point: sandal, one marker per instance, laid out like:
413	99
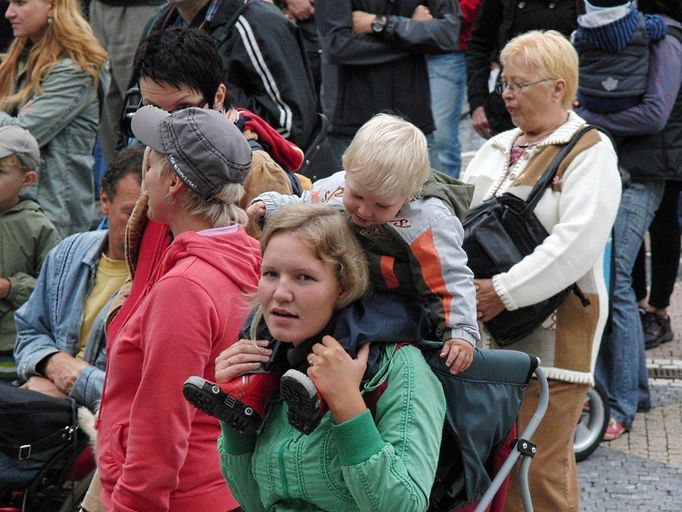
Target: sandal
614	430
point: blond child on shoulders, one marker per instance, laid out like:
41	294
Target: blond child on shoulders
405	217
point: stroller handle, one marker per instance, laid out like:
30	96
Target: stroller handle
518	451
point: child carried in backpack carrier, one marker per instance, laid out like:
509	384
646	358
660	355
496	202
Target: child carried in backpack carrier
406	218
612	41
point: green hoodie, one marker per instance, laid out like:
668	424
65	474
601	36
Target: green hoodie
386	464
26	236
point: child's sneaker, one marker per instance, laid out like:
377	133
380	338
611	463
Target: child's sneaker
240	403
306	407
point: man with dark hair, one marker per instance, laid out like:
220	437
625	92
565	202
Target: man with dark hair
263	60
183	65
179	68
60	349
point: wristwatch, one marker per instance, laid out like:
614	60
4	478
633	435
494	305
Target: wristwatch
378	24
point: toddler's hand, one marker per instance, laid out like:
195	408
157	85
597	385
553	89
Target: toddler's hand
256	216
256	211
458	355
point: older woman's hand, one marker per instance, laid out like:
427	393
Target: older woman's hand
488	303
241	357
337	377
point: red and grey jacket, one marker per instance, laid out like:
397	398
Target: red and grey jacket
418	253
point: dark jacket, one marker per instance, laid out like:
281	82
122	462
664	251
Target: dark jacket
496	23
614	60
649	134
385	72
658	155
264	62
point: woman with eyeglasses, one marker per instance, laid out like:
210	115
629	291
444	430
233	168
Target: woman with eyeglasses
538	86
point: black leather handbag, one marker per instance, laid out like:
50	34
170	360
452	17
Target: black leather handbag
499	233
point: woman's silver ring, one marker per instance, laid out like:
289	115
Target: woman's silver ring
229	361
310	359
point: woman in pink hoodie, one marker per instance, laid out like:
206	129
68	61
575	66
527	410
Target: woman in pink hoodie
155	451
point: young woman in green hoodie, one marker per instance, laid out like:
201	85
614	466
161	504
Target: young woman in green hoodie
379	460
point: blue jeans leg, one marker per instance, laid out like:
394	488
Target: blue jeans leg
340	144
447	80
621	365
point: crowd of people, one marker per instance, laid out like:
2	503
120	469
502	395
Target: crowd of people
282	178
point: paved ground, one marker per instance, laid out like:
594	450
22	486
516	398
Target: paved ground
641	471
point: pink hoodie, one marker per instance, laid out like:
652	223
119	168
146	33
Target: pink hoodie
155	451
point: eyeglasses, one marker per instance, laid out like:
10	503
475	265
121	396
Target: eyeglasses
515	87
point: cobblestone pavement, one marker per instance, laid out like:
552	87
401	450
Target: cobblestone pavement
641	471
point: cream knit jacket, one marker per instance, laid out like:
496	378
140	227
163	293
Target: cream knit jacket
578	213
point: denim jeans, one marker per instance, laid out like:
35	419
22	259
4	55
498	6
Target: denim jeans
447	80
340	143
621	365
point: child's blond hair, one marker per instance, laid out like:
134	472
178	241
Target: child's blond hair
389	157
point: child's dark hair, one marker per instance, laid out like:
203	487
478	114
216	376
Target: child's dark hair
127	161
181	56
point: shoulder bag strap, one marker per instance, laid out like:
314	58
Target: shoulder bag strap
546	179
548	175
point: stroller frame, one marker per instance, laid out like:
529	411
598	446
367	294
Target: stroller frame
524	449
482	406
